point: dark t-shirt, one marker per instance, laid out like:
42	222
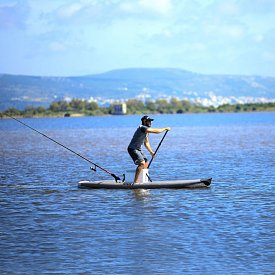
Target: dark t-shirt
138	138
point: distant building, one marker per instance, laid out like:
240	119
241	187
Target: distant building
120	109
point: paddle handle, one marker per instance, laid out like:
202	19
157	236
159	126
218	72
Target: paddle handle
157	149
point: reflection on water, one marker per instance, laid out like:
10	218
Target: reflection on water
142	194
48	225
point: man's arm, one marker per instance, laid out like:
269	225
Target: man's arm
157	130
148	147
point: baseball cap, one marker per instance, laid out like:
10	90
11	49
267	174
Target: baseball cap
147	118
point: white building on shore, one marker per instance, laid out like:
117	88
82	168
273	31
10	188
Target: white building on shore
120	109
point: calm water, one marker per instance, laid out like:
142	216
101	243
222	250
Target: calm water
48	225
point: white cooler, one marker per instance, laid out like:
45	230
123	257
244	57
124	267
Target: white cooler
130	176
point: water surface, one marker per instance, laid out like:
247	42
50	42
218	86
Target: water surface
48	225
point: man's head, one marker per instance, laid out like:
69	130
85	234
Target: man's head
146	121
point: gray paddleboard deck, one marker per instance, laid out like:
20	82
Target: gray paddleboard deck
177	184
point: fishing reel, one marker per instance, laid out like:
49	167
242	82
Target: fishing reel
93	168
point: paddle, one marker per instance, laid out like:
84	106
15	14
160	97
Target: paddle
157	149
156	153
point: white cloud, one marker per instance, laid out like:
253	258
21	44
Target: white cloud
258	38
155	7
225	31
14	14
229	8
56	46
159	6
269	56
70	10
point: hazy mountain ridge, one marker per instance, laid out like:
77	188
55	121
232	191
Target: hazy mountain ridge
21	91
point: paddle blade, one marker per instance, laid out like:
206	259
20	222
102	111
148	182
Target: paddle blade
207	182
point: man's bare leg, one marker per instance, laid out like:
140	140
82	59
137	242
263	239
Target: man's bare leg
142	165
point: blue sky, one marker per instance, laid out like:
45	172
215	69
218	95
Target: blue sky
63	37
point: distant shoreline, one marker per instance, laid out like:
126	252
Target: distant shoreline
84	115
78	108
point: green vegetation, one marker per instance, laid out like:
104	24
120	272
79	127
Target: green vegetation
78	107
248	107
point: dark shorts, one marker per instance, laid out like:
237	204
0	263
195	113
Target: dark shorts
137	156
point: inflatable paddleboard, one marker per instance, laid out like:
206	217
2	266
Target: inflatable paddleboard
176	184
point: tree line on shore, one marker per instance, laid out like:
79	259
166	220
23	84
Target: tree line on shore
134	106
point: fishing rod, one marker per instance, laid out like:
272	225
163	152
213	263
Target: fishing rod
92	168
155	154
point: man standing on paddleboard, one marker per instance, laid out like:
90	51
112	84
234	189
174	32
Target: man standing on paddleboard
141	137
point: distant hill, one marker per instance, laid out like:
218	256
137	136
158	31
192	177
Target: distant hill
22	91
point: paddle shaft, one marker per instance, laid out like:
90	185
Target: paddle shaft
96	165
157	149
